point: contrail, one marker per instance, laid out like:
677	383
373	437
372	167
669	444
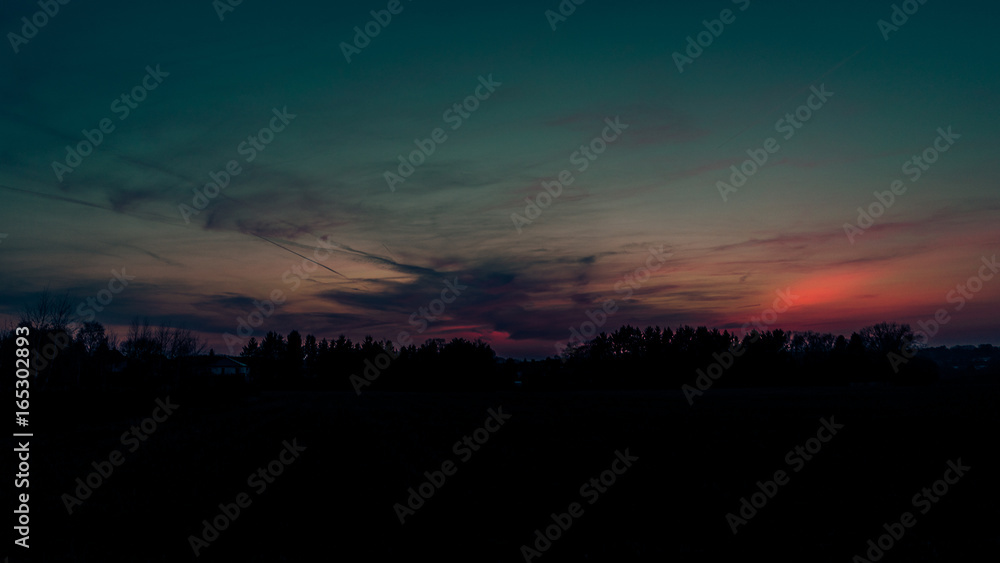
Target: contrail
299	255
147	217
152	218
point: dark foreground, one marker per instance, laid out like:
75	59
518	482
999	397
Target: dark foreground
335	500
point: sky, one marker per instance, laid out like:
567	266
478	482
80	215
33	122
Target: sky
651	227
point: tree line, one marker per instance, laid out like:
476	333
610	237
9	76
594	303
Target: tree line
88	354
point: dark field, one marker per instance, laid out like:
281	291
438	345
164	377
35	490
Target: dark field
335	501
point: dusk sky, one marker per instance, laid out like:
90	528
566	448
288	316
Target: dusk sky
929	91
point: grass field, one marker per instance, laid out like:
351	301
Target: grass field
336	500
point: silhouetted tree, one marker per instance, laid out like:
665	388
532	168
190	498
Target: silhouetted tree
273	347
47	313
92	337
883	338
311	351
140	344
251	349
294	354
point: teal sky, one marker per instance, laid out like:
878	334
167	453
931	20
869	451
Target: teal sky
656	184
